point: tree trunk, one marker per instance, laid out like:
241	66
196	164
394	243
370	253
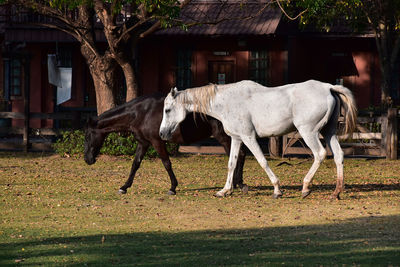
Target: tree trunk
385	85
131	83
105	97
103	69
390	79
387	58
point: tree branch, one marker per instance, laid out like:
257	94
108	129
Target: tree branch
287	15
144	19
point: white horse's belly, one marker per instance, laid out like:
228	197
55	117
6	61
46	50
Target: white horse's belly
271	115
265	126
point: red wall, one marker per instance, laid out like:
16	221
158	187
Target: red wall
42	93
158	60
311	58
291	60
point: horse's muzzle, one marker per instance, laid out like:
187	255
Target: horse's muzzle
90	160
165	135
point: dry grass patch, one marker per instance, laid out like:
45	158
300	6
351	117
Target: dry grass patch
60	211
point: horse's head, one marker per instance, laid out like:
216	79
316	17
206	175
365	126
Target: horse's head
94	139
174	112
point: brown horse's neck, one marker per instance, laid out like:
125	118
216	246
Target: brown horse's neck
115	120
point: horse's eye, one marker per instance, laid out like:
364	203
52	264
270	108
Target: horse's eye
167	111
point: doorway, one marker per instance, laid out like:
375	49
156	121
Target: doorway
221	72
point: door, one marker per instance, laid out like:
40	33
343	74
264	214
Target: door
221	72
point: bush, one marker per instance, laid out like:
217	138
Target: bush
73	142
119	144
70	143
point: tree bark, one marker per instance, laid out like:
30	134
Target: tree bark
131	83
103	71
120	49
388	56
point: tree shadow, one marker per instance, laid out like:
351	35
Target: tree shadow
318	188
331	187
24	155
357	241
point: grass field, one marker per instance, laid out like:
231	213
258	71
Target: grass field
62	212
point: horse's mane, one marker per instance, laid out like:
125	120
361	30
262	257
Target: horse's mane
199	97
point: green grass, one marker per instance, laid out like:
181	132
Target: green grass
60	211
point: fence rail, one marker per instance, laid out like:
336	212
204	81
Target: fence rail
375	136
27	138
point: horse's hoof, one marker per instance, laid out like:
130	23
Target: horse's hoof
276	196
219	194
222	193
171	193
305	194
335	196
244	188
122	191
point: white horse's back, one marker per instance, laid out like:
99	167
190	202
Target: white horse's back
273	111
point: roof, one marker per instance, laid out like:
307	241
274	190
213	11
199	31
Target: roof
235	18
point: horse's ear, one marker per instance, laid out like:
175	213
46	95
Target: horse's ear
174	91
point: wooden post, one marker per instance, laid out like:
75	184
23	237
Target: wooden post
391	134
274	146
25	140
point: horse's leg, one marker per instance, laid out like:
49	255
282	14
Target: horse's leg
233	157
225	141
319	152
141	150
238	174
329	133
161	148
252	145
333	142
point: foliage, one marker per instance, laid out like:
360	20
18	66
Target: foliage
361	14
62	212
119	144
70	143
73	142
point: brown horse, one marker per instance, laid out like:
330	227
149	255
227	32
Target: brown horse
142	117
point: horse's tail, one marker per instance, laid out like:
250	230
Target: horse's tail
350	110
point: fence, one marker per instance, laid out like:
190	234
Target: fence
375	136
26	138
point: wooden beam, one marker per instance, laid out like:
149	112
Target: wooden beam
391	135
53	116
26	95
356	151
274	146
296	135
12	115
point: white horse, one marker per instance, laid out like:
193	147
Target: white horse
248	110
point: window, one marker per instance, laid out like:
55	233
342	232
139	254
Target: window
184	69
15	77
258	66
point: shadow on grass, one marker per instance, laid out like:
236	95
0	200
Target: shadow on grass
366	241
23	155
321	188
331	187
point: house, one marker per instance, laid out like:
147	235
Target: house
265	48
